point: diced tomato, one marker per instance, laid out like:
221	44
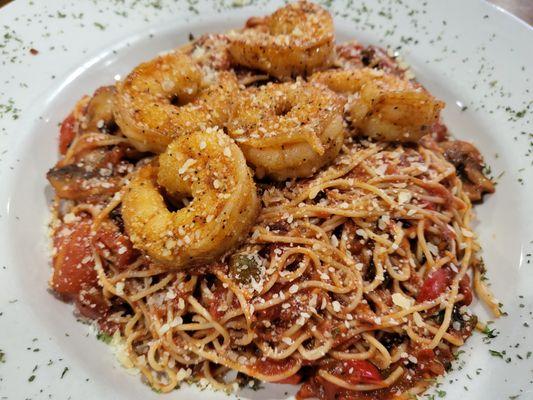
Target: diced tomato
218	300
91	303
424	355
427	361
214	305
307	390
118	244
291	380
107	326
73	264
360	371
439	131
352	371
319	388
67	133
466	290
434	285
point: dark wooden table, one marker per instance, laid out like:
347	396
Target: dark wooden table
521	8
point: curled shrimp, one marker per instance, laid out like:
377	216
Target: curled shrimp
294	40
383	106
210	168
166	97
288	130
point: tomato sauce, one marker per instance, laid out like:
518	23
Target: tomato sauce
67	133
73	263
271	367
429	365
117	246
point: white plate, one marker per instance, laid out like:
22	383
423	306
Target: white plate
467	53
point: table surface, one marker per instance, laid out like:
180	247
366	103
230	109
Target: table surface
521	8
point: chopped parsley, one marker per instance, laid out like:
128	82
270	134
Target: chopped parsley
9	108
495	353
104	337
489	334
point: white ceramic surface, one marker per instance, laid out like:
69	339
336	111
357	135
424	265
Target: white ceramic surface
468	53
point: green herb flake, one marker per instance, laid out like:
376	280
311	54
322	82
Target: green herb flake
495	353
489	334
104	337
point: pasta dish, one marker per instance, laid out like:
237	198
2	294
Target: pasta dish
270	205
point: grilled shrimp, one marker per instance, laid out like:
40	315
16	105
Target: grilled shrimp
210	168
384	106
294	40
165	97
288	130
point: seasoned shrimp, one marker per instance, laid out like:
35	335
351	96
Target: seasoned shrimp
210	168
295	40
165	97
383	106
288	130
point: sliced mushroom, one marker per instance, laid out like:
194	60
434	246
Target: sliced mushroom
469	164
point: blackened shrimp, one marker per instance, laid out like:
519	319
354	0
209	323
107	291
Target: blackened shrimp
295	40
383	106
166	97
288	130
210	168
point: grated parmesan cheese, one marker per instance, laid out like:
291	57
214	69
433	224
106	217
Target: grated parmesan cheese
401	301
